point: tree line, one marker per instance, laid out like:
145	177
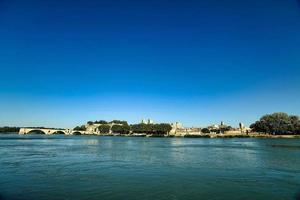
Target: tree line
150	129
107	122
7	129
80	128
277	124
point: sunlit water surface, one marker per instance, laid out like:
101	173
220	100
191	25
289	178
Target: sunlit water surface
93	167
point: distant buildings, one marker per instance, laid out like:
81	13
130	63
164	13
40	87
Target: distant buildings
177	128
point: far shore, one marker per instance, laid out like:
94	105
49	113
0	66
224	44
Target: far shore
211	135
250	135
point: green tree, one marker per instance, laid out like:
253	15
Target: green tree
80	128
155	129
260	126
224	128
122	129
142	128
162	129
215	130
294	125
104	128
277	123
149	128
7	129
205	130
135	128
90	123
100	122
119	122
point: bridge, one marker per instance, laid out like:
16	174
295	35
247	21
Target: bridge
50	131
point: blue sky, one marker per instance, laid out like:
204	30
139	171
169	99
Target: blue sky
198	62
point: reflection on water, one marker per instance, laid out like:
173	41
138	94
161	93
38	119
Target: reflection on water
93	167
90	142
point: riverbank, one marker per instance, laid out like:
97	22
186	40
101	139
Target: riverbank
211	135
241	136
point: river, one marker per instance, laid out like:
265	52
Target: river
97	167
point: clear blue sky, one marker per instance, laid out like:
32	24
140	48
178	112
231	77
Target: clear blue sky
198	62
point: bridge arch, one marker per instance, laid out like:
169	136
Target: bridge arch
77	133
59	132
36	131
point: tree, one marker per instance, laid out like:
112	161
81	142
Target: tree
260	126
215	130
7	129
149	128
161	129
100	122
277	123
142	128
80	128
224	128
90	123
104	128
154	129
294	126
122	129
205	130
134	128
119	122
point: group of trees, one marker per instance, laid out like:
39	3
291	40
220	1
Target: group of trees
7	129
97	122
221	129
80	128
104	128
106	122
277	124
154	129
122	129
205	130
119	122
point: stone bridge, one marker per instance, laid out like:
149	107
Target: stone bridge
50	131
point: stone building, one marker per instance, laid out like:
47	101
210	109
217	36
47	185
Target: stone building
177	129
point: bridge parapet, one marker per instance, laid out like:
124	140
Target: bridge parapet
46	131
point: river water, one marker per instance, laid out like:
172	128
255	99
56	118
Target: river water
94	167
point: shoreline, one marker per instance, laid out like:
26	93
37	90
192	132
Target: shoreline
243	136
250	135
